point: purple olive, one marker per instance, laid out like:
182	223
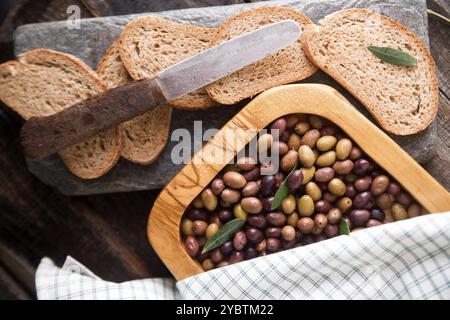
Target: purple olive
280	125
273	244
287	244
295	180
197	214
350	191
225	215
202	256
373	223
279	178
359	218
268	185
236	256
308	239
216	255
284	137
239	240
252	175
360	167
394	188
276	219
273	232
257	220
254	235
377	214
192	246
331	230
361	200
226	248
267	203
250	253
404	199
322	206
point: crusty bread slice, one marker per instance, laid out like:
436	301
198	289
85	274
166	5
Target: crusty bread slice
144	137
287	65
44	82
150	44
404	100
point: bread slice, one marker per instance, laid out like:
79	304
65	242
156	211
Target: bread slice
44	82
144	137
150	44
404	100
287	65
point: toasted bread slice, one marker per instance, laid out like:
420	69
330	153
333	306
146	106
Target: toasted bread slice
404	100
287	65
144	137
150	44
44	82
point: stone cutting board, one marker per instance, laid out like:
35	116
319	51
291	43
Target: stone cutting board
96	34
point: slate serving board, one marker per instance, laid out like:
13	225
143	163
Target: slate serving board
95	36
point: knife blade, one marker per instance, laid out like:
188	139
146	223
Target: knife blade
43	136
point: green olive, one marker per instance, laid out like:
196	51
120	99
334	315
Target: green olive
313	190
337	187
344	204
305	206
288	204
306	156
326	143
308	174
343	148
198	202
210	199
399	212
212	230
186	227
292	219
239	213
326	159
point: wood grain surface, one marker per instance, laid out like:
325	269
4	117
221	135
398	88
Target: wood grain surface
106	232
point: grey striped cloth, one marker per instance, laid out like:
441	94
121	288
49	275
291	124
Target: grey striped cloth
408	259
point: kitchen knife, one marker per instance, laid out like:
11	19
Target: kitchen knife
43	136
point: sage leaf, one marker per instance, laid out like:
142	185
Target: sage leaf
223	235
344	228
282	192
393	56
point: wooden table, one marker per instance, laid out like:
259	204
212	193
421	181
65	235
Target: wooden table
107	232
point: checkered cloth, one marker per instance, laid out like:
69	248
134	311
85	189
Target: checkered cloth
409	259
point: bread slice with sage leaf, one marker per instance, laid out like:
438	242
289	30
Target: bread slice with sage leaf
44	82
382	63
145	136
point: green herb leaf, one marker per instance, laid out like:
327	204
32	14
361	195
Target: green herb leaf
440	16
344	228
282	192
393	56
223	235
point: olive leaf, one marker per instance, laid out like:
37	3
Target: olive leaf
393	56
343	227
440	16
282	192
223	235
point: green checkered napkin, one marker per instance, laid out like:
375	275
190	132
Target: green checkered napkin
409	259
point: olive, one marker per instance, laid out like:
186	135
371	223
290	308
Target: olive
272	232
363	184
287	244
344	203
294	141
192	246
209	199
326	143
324	174
404	199
276	219
267	203
331	230
199	227
308	239
252	175
295	180
305	206
306	156
250	189
350	191
236	256
292	219
261	246
230	195
398	211
313	190
284	137
222	264
197	214
343	167
186	227
217	186
288	233
316	122
360	167
305	225
310	138
239	213
257	220
279	124
246	163
239	240
291	121
198	203
273	244
326	159
308	174
350	177
355	153
208	265
288	204
379	185
384	201
226	248
361	200
265	142
316	230
337	187
328	131
343	148
394	188
254	235
334	215
359	217
320	220
377	214
302	127
289	160
322	206
373	223
279	147
251	205
250	253
212	230
414	210
234	180
279	178
268	185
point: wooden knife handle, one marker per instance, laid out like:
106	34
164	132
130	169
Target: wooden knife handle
44	136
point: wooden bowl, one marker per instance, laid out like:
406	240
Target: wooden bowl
164	222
